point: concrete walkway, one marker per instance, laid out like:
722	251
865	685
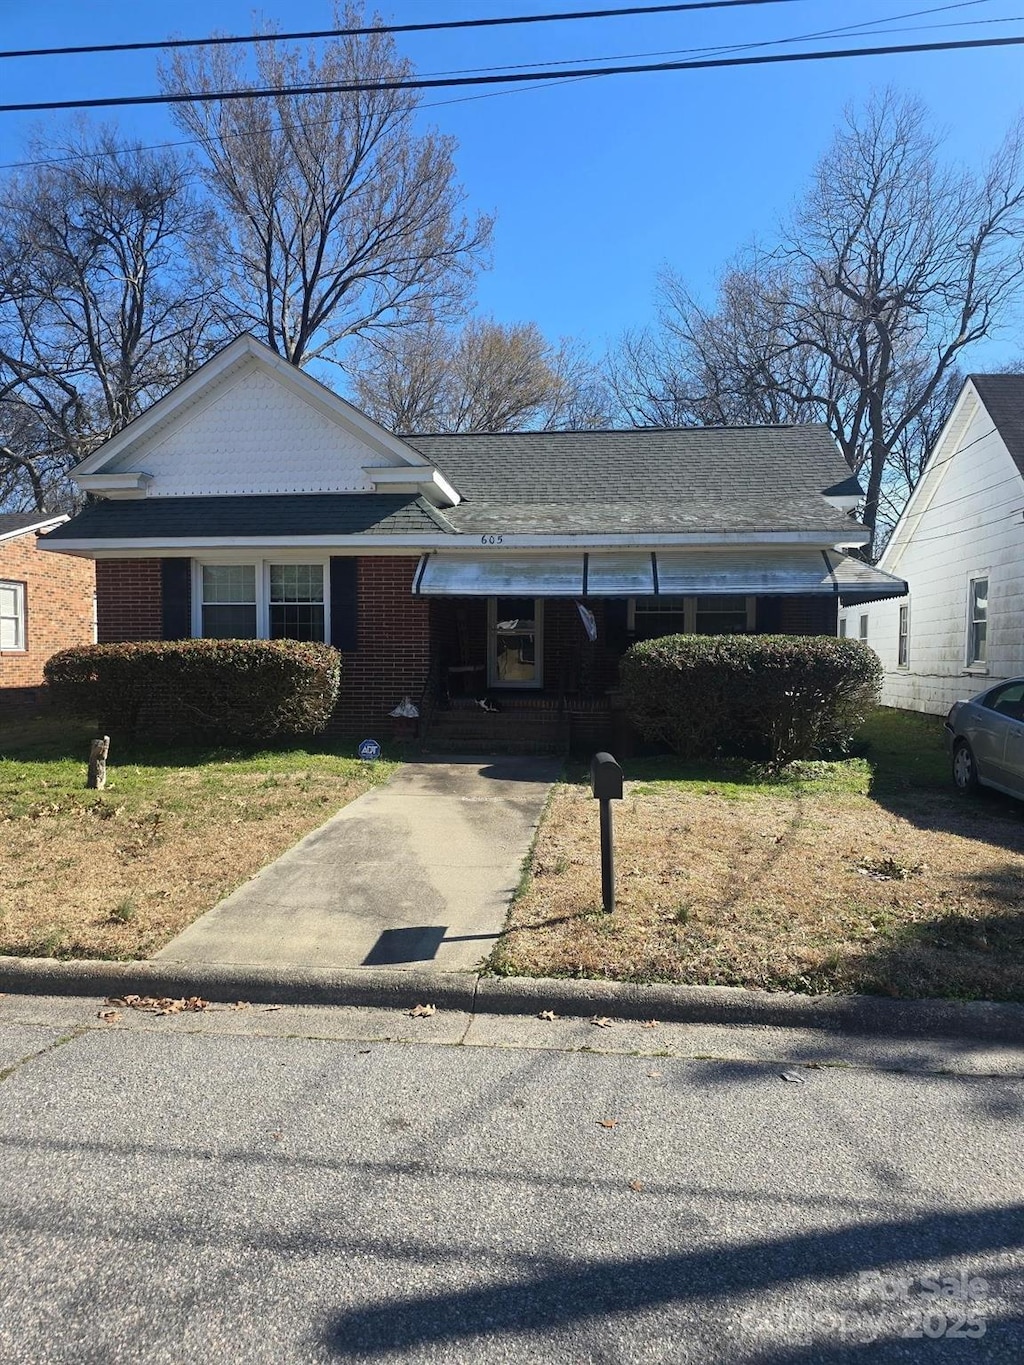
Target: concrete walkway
417	873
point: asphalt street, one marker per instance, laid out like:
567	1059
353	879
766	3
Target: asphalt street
278	1184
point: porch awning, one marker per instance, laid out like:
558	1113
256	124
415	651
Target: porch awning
666	573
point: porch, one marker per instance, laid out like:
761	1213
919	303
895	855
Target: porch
540	674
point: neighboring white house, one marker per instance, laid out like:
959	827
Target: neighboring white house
960	546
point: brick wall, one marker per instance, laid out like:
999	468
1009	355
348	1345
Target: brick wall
129	601
58	612
393	657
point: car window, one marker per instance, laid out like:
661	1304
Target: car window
1007	700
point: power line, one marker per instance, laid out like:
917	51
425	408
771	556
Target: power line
368	30
847	29
450	82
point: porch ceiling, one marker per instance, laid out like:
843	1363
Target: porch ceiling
754	572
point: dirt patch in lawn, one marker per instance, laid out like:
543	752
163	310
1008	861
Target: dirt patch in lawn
119	873
891	889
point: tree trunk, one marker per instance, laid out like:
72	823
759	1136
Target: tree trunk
97	778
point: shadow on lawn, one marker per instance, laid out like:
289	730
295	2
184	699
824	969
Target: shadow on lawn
46	738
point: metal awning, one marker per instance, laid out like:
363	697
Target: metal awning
750	572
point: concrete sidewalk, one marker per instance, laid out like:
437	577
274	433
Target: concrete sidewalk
417	873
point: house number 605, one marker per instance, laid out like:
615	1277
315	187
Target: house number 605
490	540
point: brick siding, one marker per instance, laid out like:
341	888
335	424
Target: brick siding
129	600
393	657
58	613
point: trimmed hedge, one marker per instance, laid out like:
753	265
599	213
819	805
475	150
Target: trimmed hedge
765	697
241	689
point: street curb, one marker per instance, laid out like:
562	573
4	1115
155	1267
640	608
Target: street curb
225	981
397	989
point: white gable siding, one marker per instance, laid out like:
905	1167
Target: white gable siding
971	525
251	434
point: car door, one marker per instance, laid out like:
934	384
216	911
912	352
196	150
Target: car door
998	735
1013	747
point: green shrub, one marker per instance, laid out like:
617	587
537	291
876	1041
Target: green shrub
241	689
767	697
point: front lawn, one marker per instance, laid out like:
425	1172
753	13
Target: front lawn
118	873
867	875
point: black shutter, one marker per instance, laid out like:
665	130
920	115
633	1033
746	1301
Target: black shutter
176	584
616	617
769	615
344	603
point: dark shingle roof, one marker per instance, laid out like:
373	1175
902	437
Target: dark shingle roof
304	514
1003	396
647	479
24	521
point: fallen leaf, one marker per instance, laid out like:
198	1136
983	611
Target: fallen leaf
601	1021
812	1066
242	1005
268	1008
421	1011
649	1023
550	1015
364	1052
636	1185
109	1016
152	1004
654	1075
793	1077
278	1137
607	1123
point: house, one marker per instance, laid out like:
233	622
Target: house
960	546
253	501
46	604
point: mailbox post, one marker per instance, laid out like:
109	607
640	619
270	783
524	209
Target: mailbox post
606	786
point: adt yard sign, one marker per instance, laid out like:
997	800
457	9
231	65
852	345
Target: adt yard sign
369	749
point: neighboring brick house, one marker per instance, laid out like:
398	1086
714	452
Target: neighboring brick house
253	501
46	604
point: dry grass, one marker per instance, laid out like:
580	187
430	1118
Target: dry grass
119	873
868	875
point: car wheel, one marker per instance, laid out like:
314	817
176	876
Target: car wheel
965	770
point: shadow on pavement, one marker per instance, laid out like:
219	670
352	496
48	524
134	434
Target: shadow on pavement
560	1297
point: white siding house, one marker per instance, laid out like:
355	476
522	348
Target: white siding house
960	547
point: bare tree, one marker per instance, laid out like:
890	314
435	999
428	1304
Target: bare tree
336	218
891	267
102	306
486	376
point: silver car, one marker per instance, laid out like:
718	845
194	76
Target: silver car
985	737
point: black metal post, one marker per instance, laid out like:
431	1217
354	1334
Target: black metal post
607	858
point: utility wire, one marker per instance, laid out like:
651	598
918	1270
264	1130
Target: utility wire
449	82
368	30
847	30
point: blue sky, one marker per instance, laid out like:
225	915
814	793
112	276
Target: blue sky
595	183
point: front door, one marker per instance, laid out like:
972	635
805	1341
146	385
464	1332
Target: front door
515	642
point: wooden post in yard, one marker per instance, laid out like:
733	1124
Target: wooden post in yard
98	763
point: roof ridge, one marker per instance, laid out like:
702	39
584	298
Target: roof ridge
614	431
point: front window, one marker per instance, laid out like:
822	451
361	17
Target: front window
842	627
903	649
261	601
864	627
720	615
652	617
977	623
12	616
229	602
296	601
